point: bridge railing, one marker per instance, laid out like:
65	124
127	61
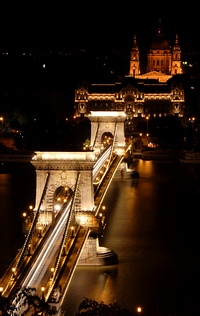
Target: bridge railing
67	267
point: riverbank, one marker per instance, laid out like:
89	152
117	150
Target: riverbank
156	154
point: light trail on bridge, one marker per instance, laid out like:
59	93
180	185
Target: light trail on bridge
36	274
101	161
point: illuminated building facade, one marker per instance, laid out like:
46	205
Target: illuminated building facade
157	93
161	59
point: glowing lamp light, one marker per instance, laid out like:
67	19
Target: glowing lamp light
57	207
139	309
72	232
43	289
1	289
82	220
13	270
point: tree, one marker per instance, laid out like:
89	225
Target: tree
23	302
90	307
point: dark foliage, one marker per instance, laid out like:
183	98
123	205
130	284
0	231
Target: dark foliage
90	307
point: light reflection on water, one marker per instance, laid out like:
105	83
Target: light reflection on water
147	225
152	224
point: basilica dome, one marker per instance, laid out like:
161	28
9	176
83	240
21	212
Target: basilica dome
160	43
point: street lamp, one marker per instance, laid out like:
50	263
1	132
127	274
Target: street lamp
147	127
42	289
101	221
139	310
1	120
52	273
64	252
29	250
72	232
40	232
192	120
13	272
1	290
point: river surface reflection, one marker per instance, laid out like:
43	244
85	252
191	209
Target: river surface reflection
152	224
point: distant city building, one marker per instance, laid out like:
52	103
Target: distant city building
161	59
157	93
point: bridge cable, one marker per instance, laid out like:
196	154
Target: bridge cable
28	238
95	137
37	213
63	242
110	159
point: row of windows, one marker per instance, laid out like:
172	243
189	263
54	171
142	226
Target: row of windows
157	62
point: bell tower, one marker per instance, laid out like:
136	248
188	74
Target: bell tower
176	58
134	60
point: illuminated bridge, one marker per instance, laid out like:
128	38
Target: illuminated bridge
62	230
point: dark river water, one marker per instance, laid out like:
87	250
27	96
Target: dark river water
152	224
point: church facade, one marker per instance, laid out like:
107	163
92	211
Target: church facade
162	61
142	96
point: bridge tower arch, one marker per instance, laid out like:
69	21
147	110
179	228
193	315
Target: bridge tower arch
104	113
107	122
63	169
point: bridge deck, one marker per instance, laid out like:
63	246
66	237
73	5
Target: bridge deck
70	258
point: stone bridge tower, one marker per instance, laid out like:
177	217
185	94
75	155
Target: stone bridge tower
107	116
64	170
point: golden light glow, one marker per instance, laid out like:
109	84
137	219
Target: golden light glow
82	220
86	155
139	309
107	113
57	207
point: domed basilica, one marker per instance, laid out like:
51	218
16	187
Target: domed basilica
162	62
142	96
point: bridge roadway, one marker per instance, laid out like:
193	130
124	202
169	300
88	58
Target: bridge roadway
35	270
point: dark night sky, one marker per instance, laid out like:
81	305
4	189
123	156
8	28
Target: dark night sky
104	24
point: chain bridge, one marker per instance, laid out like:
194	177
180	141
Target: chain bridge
63	229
